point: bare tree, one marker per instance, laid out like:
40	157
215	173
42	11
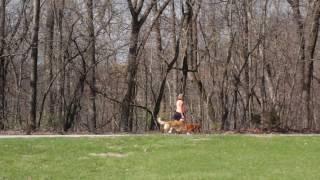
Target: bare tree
61	63
34	58
307	29
137	21
92	60
2	62
49	37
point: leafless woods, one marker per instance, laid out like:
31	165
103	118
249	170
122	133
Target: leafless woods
116	65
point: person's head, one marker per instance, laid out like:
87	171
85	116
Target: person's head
180	97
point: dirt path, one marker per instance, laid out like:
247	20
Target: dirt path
123	135
67	136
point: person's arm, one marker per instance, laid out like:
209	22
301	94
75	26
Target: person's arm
183	110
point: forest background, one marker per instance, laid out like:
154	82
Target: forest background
115	65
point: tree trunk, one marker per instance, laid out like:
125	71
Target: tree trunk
92	70
267	87
309	28
174	40
301	61
34	57
204	97
136	23
247	64
126	109
186	45
49	37
61	66
162	76
74	106
310	51
156	108
2	62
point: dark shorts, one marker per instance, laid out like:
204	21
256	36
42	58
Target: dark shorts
177	116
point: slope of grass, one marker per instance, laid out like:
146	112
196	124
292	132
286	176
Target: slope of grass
161	157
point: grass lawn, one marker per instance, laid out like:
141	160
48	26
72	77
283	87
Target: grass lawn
161	157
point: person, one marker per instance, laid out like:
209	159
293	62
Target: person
180	109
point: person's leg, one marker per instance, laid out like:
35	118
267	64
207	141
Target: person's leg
184	117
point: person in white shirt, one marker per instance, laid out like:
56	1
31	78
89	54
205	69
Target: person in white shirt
180	109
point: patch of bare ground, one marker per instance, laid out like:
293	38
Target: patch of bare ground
201	139
109	154
284	131
40	132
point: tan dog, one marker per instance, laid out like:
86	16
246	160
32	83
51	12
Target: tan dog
169	126
179	126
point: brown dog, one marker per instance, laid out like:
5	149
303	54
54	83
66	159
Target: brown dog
192	128
179	126
169	126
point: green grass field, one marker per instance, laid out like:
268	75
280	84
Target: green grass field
161	157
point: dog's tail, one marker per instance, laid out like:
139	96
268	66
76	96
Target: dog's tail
160	122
